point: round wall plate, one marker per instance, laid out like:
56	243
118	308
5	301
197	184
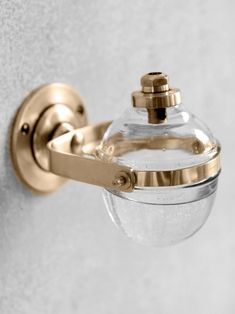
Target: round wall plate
31	127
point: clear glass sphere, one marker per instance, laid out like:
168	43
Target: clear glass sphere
164	216
159	215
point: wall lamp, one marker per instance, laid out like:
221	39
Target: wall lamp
157	163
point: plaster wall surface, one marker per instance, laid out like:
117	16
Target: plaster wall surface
61	253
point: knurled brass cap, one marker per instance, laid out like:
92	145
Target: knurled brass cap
156	92
154	82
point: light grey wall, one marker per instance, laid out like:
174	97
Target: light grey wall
61	253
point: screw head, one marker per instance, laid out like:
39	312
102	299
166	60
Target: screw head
124	181
119	181
25	129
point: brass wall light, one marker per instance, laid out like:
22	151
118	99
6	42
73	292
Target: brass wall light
157	163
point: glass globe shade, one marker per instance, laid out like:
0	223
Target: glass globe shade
159	216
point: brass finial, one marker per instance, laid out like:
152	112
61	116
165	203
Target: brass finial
156	96
155	92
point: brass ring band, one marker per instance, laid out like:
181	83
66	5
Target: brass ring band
107	173
74	155
139	179
189	175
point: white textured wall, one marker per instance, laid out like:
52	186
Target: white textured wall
61	253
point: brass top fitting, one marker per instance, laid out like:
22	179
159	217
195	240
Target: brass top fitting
156	92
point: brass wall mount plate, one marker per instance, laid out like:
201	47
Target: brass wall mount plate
47	112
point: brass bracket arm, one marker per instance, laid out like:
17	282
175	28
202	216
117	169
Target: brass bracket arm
72	156
44	155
